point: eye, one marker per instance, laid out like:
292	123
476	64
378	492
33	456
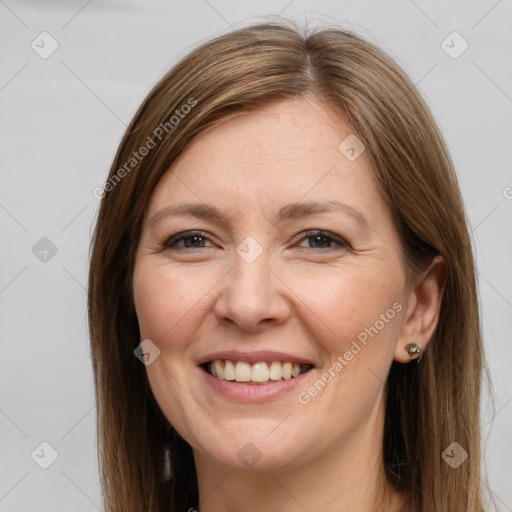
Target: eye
196	240
318	239
190	239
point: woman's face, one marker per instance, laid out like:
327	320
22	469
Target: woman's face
292	262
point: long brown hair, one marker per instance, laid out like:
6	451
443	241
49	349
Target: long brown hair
144	464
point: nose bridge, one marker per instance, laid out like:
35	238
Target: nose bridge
251	267
251	292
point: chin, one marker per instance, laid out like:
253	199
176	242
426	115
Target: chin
253	455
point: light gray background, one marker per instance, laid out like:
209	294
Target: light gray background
62	118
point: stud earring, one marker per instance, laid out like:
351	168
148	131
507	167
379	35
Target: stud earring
414	350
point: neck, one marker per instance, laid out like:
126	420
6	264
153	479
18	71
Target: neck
348	476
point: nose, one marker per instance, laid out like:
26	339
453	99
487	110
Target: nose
252	296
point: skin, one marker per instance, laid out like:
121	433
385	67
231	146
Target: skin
305	296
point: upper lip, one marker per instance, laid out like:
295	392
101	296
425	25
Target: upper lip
253	357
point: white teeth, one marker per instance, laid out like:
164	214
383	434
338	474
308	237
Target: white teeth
242	372
260	372
276	373
229	371
217	369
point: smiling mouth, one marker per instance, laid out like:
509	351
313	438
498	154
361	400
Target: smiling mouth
263	372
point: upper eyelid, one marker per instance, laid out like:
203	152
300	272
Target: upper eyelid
305	234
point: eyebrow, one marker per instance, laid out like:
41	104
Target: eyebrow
289	212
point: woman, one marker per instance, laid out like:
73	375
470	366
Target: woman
282	299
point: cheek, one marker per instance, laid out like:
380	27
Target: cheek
349	305
164	302
355	318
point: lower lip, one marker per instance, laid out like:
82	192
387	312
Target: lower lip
252	393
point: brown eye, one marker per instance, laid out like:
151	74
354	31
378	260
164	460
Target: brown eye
191	240
323	240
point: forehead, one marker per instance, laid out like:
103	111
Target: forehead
281	153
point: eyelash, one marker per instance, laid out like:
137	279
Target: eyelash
170	243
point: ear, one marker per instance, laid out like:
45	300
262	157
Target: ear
423	304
